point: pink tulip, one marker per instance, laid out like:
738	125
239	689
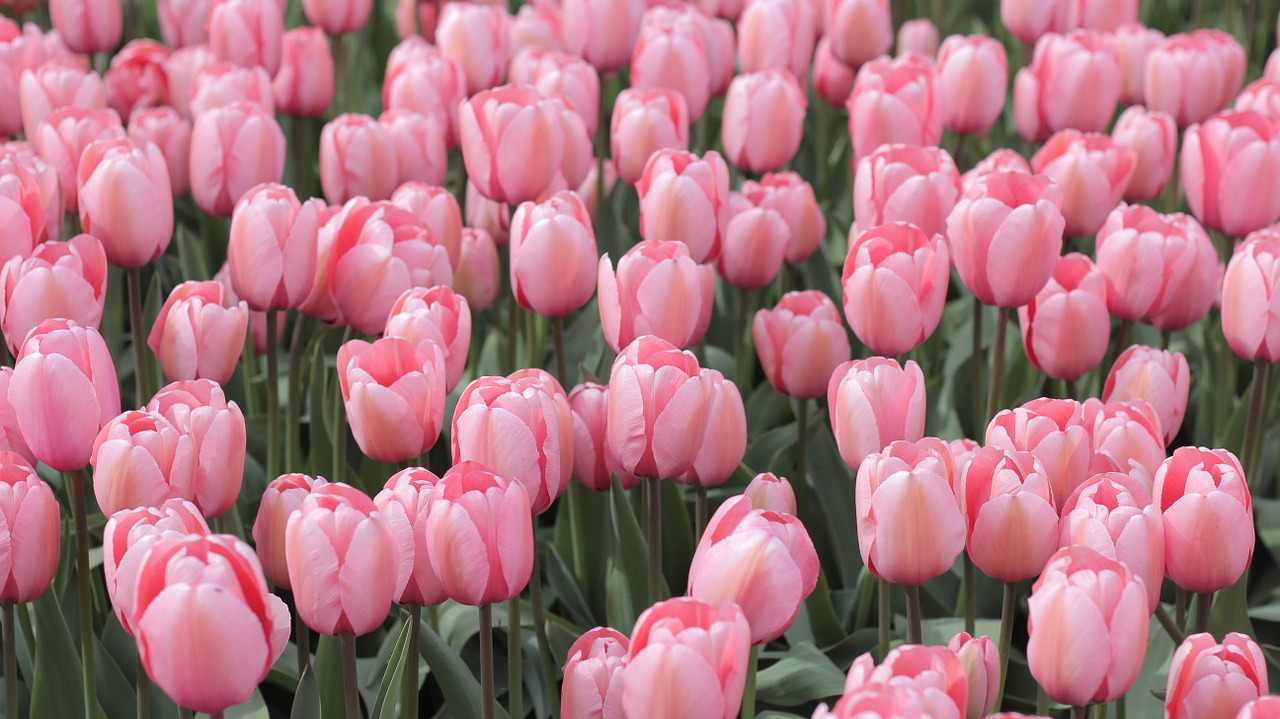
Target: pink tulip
761	561
973	73
10	435
645	121
1066	328
480	531
1053	430
1082	64
1248	297
183	23
1087	627
919	36
754	244
498	129
1102	14
777	34
657	290
1001	159
874	403
981	662
894	102
22	217
419	144
1191	76
248	33
895	285
345	561
771	493
681	196
1093	172
475	37
137	78
281	499
788	194
405	501
1213	681
430	84
901	700
1263	97
164	127
438	209
33	530
593	673
21	49
357	157
608	29
1112	514
832	79
207	591
763	120
233	149
553	255
1267	707
1029	20
55	85
671	51
60	279
936	672
961	452
687	660
200	411
1160	378
126	199
561	75
87	26
23	156
198	333
724	436
63	390
858	30
338	17
434	316
1005	220
271	252
62	138
304	85
140	459
536	26
477	275
1134	44
593	462
1208	518
1153	138
219	84
1221	196
536	424
257	320
800	342
894	488
905	183
1126	437
127	537
1010	513
394	396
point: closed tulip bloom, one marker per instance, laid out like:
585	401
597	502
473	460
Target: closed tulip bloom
480	530
19	158
141	459
282	497
789	195
183	22
1126	437
800	342
556	74
1208	518
592	686
771	493
645	121
419	144
198	333
1136	238
919	36
1224	162
934	671
304	85
1153	138
60	279
338	17
248	32
1082	64
271	252
32	526
973	73
357	157
21	212
981	662
1266	707
55	85
1093	171
1102	14
438	209
895	285
1212	680
724	436
233	149
437	316
593	462
1028	20
126	200
687	660
1001	159
498	129
1112	514
1248	297
21	49
535	423
1262	96
901	699
553	255
394	396
607	29
170	132
477	275
777	34
86	26
405	501
1011	516
126	538
874	403
1007	219
536	25
759	560
1160	378
894	101
832	79
671	51
763	120
136	79
488	215
61	140
475	37
1054	430
220	84
657	290
63	391
755	242
681	196
1188	77
906	183
1066	328
858	30
894	489
207	592
1088	627
430	84
1134	44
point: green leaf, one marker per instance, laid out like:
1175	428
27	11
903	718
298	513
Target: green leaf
57	690
804	674
460	687
306	700
255	708
385	704
632	558
328	671
566	589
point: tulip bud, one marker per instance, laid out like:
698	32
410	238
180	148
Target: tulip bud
1208	518
233	149
657	290
304	85
127	537
1161	378
800	342
895	285
406	501
1011	515
1112	514
60	279
553	255
1081	64
592	686
763	120
981	662
33	534
1231	201
394	396
198	333
873	403
248	33
475	37
282	497
200	410
681	196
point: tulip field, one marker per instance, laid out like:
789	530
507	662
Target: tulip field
639	359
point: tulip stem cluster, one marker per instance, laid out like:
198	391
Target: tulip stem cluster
1253	425
75	487
142	379
10	663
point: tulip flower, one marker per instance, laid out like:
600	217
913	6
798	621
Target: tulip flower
904	183
607	28
1001	159
724	435
86	26
219	84
593	463
900	699
1134	44
434	316
777	34
895	285
1208	518
832	79
271	252
1126	437
645	121
1081	64
753	244
1231	201
1054	430
1093	172
919	36
282	497
592	687
981	662
769	492
21	49
338	17
59	279
18	158
1160	378
136	79
894	102
658	289
671	50
1065	329
934	671
790	196
1260	708
182	22
126	538
1028	20
54	85
556	74
170	132
477	275
198	334
438	209
1153	138
200	410
405	501
553	255
475	37
681	196
357	158
763	120
61	140
873	403
430	84
304	85
33	531
1248	298
233	149
1111	513
248	33
10	435
859	30
140	460
1193	75
973	74
1010	512
394	396
493	125
800	342
1212	680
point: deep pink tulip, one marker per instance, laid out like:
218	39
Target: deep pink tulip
338	17
87	26
894	101
125	199
220	84
681	199
1134	44
480	530
895	285
874	403
60	279
800	342
54	85
199	333
1112	514
607	29
1193	75
553	255
672	51
304	85
475	37
1093	171
429	83
394	395
1249	297
127	537
724	435
981	660
357	158
832	79
973	74
1087	626
207	591
1225	163
593	462
477	275
1011	516
33	531
63	391
592	687
498	130
183	22
1066	328
140	459
271	252
170	132
282	497
22	217
906	183
1054	430
763	120
136	79
405	501
1153	138
894	489
645	121
248	33
858	30
934	671
1160	378
687	660
754	243
1126	437
233	149
1208	518
1208	680
657	290
1082	64
61	140
777	34
216	428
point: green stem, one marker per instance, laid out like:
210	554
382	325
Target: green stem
303	639
742	345
350	682
799	487
978	308
1042	701
75	485
655	538
1173	629
10	662
549	679
915	635
1100	711
340	78
1069	388
486	661
273	395
1204	603
749	691
958	149
1256	418
1079	712
997	363
409	702
141	370
293	413
513	331
186	714
700	511
1007	609
1165	337
562	370
886	618
143	691
1180	607
515	656
1117	345
970	596
339	421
